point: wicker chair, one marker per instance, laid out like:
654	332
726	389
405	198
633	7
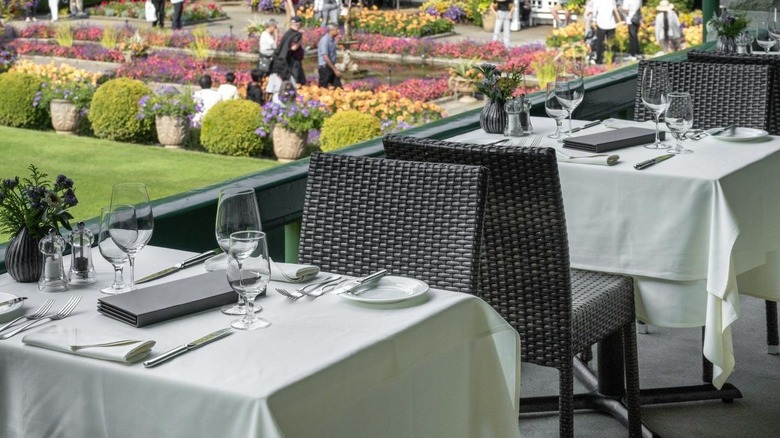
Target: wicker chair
722	94
421	220
525	272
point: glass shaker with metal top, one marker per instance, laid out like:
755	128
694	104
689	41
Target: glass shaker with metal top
81	269
53	276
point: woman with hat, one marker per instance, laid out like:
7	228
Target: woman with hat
667	27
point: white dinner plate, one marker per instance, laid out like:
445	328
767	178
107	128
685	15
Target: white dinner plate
388	289
742	134
6	310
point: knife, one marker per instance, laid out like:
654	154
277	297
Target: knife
178	266
170	354
652	161
586	126
713	132
353	284
12	302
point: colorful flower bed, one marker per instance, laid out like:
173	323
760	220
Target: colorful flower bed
90	52
179	69
457	10
135	9
396	23
56	74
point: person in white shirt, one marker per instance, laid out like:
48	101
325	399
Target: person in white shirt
207	98
631	10
269	38
606	15
228	90
667	27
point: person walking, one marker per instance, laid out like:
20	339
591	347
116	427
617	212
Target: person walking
159	10
326	58
77	9
286	66
667	27
633	14
54	9
330	12
178	10
503	10
606	15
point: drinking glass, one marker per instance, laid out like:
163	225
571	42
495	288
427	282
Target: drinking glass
555	110
569	88
772	28
655	91
131	222
679	119
112	253
236	211
765	38
248	273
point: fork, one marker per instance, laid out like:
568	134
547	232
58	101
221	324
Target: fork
37	315
289	294
305	289
63	313
536	141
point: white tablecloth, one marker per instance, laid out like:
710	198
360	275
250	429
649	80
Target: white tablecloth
684	229
447	365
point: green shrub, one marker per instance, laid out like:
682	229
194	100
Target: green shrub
114	110
229	129
348	127
19	101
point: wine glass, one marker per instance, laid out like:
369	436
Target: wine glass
248	273
679	119
655	91
131	221
554	109
569	88
765	38
236	211
112	253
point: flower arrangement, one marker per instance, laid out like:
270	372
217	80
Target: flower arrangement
136	45
79	93
35	203
728	24
169	101
499	83
7	59
300	116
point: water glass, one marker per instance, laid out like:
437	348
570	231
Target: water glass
569	88
248	273
655	91
555	110
679	119
112	253
765	39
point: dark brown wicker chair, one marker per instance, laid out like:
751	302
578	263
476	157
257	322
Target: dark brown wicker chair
525	273
420	220
722	94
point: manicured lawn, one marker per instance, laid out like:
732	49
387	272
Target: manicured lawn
96	165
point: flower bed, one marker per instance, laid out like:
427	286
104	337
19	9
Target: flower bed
423	90
89	52
467	49
135	9
394	23
55	74
179	68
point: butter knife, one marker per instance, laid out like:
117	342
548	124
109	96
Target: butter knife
170	354
647	163
713	132
586	126
12	302
178	266
353	284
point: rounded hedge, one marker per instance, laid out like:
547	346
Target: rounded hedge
18	102
114	109
348	127
229	129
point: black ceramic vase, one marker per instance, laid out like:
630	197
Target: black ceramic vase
492	119
23	259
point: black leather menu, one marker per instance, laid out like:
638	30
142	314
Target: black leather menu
169	300
612	139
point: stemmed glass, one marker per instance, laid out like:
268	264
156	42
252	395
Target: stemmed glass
773	30
764	38
112	253
248	273
236	211
679	119
569	88
131	222
555	110
655	91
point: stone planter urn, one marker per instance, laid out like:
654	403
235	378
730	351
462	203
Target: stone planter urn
288	145
172	130
488	20
64	116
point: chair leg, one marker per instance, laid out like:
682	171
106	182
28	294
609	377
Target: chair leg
771	328
706	365
566	400
632	381
587	354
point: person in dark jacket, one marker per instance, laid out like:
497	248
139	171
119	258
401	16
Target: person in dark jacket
253	90
159	9
289	54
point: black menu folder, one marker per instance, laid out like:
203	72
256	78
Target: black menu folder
169	300
612	139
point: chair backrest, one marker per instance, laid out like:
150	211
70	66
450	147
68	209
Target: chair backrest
749	59
525	272
419	220
722	94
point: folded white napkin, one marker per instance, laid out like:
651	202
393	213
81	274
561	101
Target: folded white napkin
602	159
84	343
285	272
618	123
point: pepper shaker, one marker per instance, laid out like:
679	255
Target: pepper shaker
81	269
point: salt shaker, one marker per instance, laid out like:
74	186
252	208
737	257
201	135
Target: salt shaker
81	269
525	115
513	109
53	277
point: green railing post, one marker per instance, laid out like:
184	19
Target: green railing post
708	8
292	237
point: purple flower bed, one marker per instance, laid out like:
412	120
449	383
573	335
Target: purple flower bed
177	68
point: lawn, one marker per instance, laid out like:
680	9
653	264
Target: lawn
96	165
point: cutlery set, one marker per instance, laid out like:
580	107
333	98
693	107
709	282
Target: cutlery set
40	316
335	284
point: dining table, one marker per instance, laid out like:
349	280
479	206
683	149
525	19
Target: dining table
440	364
694	231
